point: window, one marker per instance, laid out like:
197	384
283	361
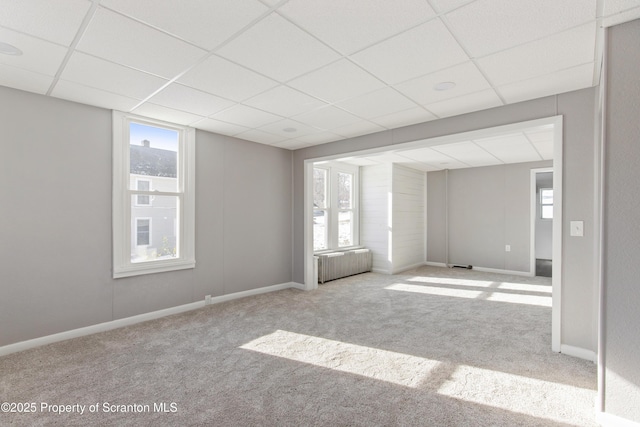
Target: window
546	203
335	215
153	197
143	199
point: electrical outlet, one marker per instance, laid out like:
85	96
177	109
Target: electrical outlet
207	300
507	248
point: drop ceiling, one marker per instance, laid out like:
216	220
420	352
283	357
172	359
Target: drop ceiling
296	73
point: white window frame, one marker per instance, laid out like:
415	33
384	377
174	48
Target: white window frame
332	210
135	224
138	180
542	205
122	200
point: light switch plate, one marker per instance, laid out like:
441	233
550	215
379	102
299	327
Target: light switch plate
576	228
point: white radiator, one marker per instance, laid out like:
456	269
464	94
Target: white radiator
335	265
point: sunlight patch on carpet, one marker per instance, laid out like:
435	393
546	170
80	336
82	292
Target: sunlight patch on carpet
487	295
483	284
382	365
519	394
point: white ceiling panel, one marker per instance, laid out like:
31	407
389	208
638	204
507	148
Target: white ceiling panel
379	103
246	116
217	126
563	81
427	155
328	118
285	101
340	80
487	26
278	49
202	23
447	5
110	77
466	77
288	128
421	50
358	161
468	153
193	101
616	6
542	140
420	166
513	148
360	128
57	21
321	137
167	114
466	103
226	79
404	118
24	80
619	11
353	25
124	41
543	56
39	56
260	137
292	144
79	93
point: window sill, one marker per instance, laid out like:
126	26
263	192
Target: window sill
155	267
342	249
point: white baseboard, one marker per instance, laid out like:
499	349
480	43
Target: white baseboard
610	420
579	352
435	264
127	321
380	271
499	271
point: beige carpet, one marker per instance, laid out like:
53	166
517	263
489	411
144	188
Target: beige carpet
430	347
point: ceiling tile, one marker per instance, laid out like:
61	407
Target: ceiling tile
468	152
319	138
328	118
356	129
446	5
292	144
358	161
110	77
543	141
379	103
544	56
421	50
260	136
618	12
432	157
278	48
201	23
24	80
285	101
159	112
246	116
217	126
293	128
57	21
184	98
465	104
124	41
39	56
226	79
88	95
404	118
513	148
563	81
466	77
420	166
340	80
353	25
486	26
616	6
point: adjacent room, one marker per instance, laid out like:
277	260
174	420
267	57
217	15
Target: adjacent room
319	213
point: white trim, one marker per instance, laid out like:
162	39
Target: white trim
581	353
380	271
128	321
556	266
500	271
610	420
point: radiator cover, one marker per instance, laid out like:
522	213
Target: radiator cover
335	265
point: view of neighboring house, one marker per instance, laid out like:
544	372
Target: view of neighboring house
153	217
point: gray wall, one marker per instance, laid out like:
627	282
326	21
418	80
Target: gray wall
544	227
621	316
578	109
55	221
489	207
